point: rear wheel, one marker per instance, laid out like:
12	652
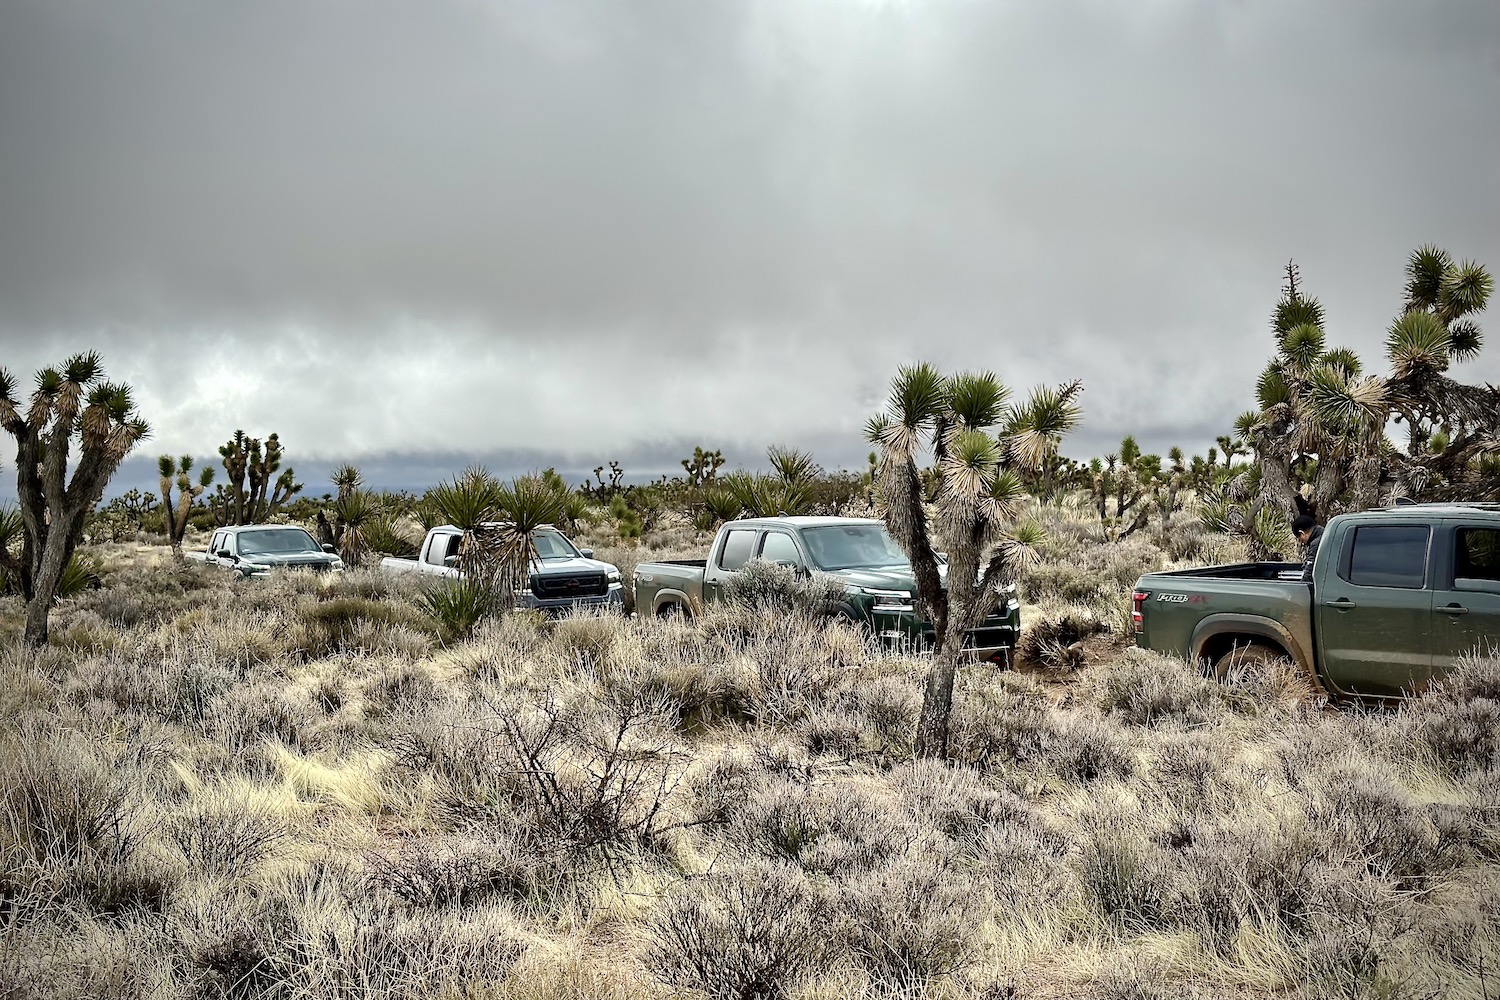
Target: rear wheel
1250	660
671	609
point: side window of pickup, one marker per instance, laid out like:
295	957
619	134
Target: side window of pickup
738	544
780	547
1389	555
443	546
218	542
1476	555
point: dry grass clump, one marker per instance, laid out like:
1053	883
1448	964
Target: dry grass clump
289	789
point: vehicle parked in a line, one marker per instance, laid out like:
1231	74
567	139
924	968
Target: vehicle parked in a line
879	586
1397	596
254	550
562	576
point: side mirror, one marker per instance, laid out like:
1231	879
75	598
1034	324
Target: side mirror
586	553
450	561
224	554
327	546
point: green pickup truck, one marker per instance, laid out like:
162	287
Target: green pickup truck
1397	596
879	588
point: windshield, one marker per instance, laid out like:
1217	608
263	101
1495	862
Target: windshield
277	541
853	546
552	545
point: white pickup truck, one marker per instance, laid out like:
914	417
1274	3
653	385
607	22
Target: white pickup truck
562	576
253	550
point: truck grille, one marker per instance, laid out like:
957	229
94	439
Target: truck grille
573	585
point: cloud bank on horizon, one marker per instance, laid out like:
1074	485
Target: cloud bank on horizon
562	233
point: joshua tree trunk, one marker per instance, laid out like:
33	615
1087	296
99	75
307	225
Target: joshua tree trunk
937	703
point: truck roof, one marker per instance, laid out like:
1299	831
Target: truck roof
802	521
1441	509
235	529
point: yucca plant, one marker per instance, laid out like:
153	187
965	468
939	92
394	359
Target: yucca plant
354	511
384	534
459	605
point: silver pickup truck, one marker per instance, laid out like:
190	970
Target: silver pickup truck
254	550
562	577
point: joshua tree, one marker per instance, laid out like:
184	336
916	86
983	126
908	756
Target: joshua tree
1436	329
1319	434
175	517
703	467
255	490
74	404
978	495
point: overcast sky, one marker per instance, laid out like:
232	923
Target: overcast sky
417	234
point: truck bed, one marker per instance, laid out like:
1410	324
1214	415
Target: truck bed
1238	571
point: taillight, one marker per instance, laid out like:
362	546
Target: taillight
1137	611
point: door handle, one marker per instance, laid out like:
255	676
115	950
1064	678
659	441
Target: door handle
1343	604
1454	609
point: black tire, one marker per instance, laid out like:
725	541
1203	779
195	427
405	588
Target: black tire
1250	659
672	609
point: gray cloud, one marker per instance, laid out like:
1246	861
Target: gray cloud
581	230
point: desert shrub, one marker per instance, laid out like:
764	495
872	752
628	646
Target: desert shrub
834	733
226	838
590	775
62	802
886	707
249	714
466	869
1125	873
400	687
1458	719
354	624
1147	690
998	724
1187	771
1084	749
752	932
380	952
770	588
585	638
910	923
1369	819
1142	978
834	829
704	691
796	661
956	801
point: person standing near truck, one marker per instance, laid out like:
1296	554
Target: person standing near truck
1309	534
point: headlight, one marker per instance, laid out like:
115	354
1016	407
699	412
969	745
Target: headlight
253	569
888	600
613	576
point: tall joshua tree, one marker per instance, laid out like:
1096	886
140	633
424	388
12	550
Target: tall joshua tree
978	496
74	404
175	516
